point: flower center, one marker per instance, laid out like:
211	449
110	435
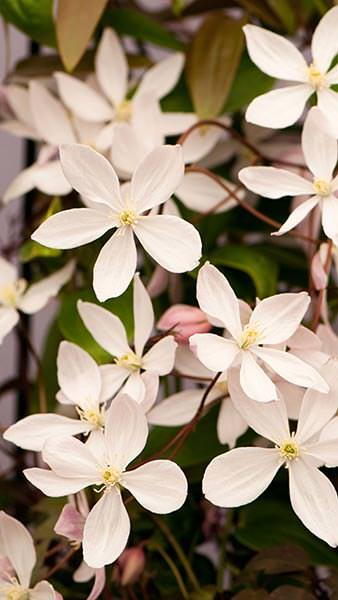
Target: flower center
222	387
289	450
14	592
111	476
123	111
250	335
127	217
316	77
11	292
129	361
93	416
322	187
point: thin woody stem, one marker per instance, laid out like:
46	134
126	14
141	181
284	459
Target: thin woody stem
40	382
320	297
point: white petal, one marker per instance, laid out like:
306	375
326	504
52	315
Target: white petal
293	397
107	329
157	177
326	451
162	77
268	419
161	357
143	315
146	120
317	408
202	194
115	265
8	319
215	352
99	583
151	382
279	108
240	476
330	431
43	591
8	272
49	179
106	531
32	432
134	387
18	99
16	544
91	174
128	150
53	485
274	183
112	377
254	380
172	242
111	67
217	298
324	44
320	149
291	368
177	409
50	117
40	293
328	104
21	184
200	142
126	431
279	316
72	228
19	129
330	218
230	423
68	457
297	215
78	375
188	364
176	122
159	485
274	54
314	500
82	99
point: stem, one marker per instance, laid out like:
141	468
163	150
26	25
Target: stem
40	382
179	551
223	554
62	562
320	297
174	569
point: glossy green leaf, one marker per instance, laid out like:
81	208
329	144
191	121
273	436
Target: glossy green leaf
249	82
33	17
212	62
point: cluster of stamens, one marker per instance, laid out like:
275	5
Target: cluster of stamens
92	415
123	111
127	217
322	187
129	361
316	77
222	387
288	450
14	591
249	336
11	292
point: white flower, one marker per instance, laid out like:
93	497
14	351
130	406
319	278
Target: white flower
15	296
160	485
172	242
320	152
241	475
279	58
138	370
84	385
272	322
16	545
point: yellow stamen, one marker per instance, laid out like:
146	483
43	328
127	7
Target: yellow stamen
111	476
289	449
127	217
124	111
11	292
129	361
322	187
250	335
316	77
93	416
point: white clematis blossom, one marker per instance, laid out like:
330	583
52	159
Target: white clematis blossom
17	548
241	475
159	485
279	58
85	385
15	295
138	371
171	241
272	322
320	152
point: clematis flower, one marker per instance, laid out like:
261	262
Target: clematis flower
16	546
159	485
85	385
241	475
320	152
15	296
138	371
171	241
279	58
272	322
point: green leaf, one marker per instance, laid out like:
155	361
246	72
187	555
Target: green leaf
76	21
212	62
248	83
128	21
30	250
73	329
262	270
33	17
285	12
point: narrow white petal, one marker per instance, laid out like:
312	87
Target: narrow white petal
151	382
18	99
324	44
43	591
53	485
21	184
112	377
111	67
40	293
128	150
279	108
162	77
107	329
159	485
279	316
274	183
202	194
50	117
297	215
106	531
157	177
328	104
143	315
115	265
325	451
161	357
8	319
214	351
176	122
32	432
83	100
126	431
319	148
16	544
330	218
274	54
172	242
240	475
230	423
146	120
134	387
254	381
49	179
78	375
177	409
68	457
200	142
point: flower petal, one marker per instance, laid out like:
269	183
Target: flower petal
8	272
50	117
279	108
115	265
21	184
78	375
172	242
159	485
40	293
274	54
200	142
161	357
240	475
143	315
274	183
174	123
177	409
112	377
107	329
16	544
230	423
163	76
279	316
328	104
111	67
297	215
134	387
53	485
324	43
157	177
68	457
49	179
330	218
254	380
8	319
215	352
126	431
83	100
128	150
103	544
43	591
18	99
320	149
202	194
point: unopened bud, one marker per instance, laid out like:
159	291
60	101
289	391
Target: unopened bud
184	321
131	564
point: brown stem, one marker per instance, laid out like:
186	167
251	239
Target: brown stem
61	563
40	382
320	297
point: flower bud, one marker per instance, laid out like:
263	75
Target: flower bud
184	320
131	564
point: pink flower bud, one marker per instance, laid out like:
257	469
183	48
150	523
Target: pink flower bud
131	564
70	523
184	321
